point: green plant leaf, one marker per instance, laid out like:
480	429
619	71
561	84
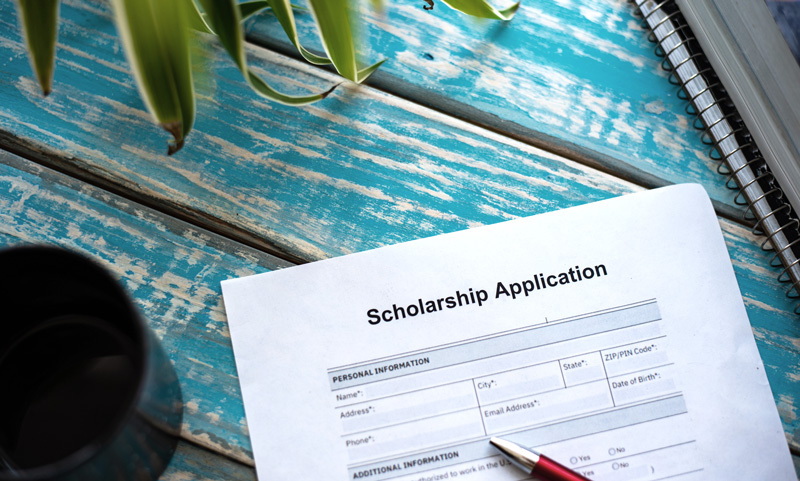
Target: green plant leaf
155	35
283	10
224	18
337	33
366	72
377	5
482	9
39	20
195	18
199	22
252	7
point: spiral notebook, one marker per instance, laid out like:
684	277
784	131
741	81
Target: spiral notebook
737	64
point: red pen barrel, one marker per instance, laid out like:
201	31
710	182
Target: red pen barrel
548	470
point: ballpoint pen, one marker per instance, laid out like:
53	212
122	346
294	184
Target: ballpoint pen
539	466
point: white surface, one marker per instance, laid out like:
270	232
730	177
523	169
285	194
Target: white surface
297	329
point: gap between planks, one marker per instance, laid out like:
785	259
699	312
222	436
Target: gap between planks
185	437
51	159
66	165
438	103
250	464
71	165
391	86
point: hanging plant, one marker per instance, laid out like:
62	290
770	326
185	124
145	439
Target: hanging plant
156	36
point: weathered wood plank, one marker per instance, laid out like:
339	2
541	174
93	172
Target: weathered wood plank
172	271
284	175
362	170
192	463
156	258
577	76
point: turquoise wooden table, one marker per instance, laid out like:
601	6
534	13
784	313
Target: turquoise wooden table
468	123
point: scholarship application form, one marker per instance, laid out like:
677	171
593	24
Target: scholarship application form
611	337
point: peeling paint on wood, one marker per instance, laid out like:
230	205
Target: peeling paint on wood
361	170
191	463
286	175
172	271
581	73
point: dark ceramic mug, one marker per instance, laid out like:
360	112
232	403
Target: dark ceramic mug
86	391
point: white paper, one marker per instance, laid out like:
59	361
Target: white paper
635	360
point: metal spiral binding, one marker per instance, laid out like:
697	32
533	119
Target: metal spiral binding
780	210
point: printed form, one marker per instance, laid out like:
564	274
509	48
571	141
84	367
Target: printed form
611	337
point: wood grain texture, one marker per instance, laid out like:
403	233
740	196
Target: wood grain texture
171	270
578	77
360	170
288	176
191	463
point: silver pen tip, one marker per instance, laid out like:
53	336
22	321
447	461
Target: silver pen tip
498	443
520	456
